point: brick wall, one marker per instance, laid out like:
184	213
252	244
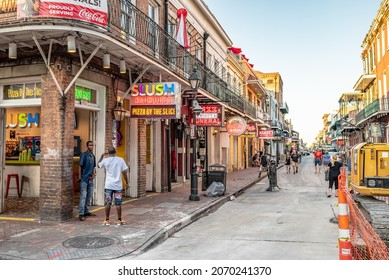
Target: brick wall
57	113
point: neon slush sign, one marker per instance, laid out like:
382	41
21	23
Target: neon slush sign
156	100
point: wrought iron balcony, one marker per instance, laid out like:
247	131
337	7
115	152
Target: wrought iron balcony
284	108
131	27
376	107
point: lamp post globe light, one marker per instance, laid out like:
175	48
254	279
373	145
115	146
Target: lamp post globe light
194	80
119	112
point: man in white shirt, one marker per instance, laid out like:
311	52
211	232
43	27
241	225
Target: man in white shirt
115	168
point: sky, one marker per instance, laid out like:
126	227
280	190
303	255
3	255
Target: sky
314	45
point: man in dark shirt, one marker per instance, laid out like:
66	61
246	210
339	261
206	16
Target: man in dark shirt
295	161
87	172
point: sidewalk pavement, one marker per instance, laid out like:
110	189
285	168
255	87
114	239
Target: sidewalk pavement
149	221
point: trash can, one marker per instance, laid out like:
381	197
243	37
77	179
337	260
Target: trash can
216	173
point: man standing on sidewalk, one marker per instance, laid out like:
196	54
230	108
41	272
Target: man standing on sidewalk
115	168
86	174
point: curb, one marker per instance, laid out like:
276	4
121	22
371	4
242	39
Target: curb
174	227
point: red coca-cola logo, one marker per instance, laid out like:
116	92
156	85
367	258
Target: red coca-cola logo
236	125
95	17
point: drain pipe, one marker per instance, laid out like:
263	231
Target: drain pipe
166	26
206	35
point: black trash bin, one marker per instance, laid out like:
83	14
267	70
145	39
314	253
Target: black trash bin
216	173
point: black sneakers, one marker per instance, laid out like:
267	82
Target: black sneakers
82	218
89	214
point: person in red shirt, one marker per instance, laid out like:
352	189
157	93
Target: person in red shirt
318	155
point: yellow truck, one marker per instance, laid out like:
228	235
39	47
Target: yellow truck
370	169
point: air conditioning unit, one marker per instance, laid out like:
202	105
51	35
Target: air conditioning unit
377	182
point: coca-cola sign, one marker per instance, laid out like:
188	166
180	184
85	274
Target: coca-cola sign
92	11
236	125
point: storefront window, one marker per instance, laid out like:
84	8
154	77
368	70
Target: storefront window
22	91
85	95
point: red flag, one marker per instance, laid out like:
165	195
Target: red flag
235	50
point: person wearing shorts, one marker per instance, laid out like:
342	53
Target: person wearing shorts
287	163
115	168
295	161
318	157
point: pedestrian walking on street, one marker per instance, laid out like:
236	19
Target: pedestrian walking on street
326	161
287	163
318	160
86	175
295	161
334	172
256	159
115	169
264	164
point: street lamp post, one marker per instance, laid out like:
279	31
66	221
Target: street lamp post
194	80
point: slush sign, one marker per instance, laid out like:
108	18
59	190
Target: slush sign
165	112
156	100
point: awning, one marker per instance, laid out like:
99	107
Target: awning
349	129
364	81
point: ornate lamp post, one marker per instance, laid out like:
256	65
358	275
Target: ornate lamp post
194	80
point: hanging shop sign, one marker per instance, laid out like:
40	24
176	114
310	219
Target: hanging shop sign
375	130
236	125
92	11
156	100
22	91
212	115
251	128
266	134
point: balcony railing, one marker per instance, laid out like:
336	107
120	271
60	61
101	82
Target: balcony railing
379	105
128	24
284	108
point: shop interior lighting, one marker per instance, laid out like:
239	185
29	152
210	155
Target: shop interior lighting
71	44
122	66
12	50
106	61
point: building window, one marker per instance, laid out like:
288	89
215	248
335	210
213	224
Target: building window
153	36
127	20
172	28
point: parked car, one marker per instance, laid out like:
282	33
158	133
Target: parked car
306	153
